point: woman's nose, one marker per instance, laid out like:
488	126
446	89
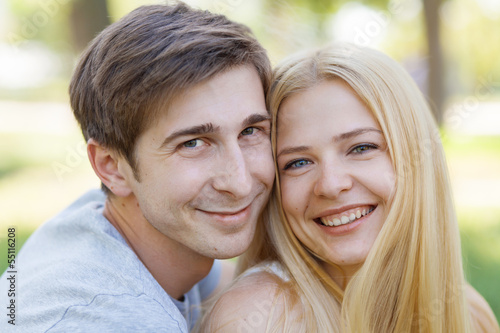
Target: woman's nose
332	180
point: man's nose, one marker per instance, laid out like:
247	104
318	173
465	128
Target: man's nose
233	175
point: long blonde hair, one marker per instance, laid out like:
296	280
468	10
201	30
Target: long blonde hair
412	279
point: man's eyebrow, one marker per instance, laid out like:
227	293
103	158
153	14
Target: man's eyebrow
255	118
195	130
210	128
340	137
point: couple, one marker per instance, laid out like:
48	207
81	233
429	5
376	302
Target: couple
359	234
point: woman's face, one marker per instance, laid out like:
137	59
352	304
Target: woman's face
335	172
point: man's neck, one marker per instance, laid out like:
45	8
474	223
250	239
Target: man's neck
176	268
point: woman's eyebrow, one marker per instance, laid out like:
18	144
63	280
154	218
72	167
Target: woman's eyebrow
340	137
356	132
291	150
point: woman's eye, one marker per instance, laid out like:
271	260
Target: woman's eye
296	164
248	131
192	143
360	149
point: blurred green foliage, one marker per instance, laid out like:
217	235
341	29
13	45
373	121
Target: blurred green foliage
479	226
45	21
467	27
480	231
469	36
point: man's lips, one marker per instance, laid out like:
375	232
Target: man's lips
232	217
228	212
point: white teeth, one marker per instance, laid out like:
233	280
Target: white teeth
346	219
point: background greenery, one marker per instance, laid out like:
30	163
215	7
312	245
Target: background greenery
43	165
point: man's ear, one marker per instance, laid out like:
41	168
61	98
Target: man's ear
105	165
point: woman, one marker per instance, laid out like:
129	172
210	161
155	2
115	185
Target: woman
367	240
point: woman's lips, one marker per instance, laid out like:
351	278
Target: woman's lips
346	216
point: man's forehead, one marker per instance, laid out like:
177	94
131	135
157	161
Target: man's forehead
228	98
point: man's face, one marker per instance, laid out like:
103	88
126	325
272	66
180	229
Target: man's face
205	166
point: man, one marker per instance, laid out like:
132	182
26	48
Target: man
171	103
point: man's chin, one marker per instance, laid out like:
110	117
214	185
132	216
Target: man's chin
231	249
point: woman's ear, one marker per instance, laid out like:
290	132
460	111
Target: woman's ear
105	164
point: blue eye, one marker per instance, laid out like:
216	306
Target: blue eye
363	148
192	143
296	164
248	131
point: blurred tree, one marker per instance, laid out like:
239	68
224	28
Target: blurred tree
435	78
88	18
467	29
323	9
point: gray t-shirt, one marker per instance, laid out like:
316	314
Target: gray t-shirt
76	273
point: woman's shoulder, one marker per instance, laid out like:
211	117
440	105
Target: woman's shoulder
483	318
274	268
259	298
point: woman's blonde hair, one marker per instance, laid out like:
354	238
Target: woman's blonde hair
412	279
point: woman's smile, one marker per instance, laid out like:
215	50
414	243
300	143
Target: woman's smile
345	216
335	173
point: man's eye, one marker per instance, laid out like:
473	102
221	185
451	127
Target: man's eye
192	143
248	131
296	164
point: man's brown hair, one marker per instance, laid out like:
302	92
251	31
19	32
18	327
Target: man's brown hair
134	67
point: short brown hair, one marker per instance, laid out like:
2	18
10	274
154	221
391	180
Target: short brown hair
136	65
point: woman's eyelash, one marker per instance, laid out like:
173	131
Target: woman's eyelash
362	148
295	164
357	149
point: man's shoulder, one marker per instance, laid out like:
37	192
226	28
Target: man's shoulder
102	313
123	312
77	237
77	267
80	249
